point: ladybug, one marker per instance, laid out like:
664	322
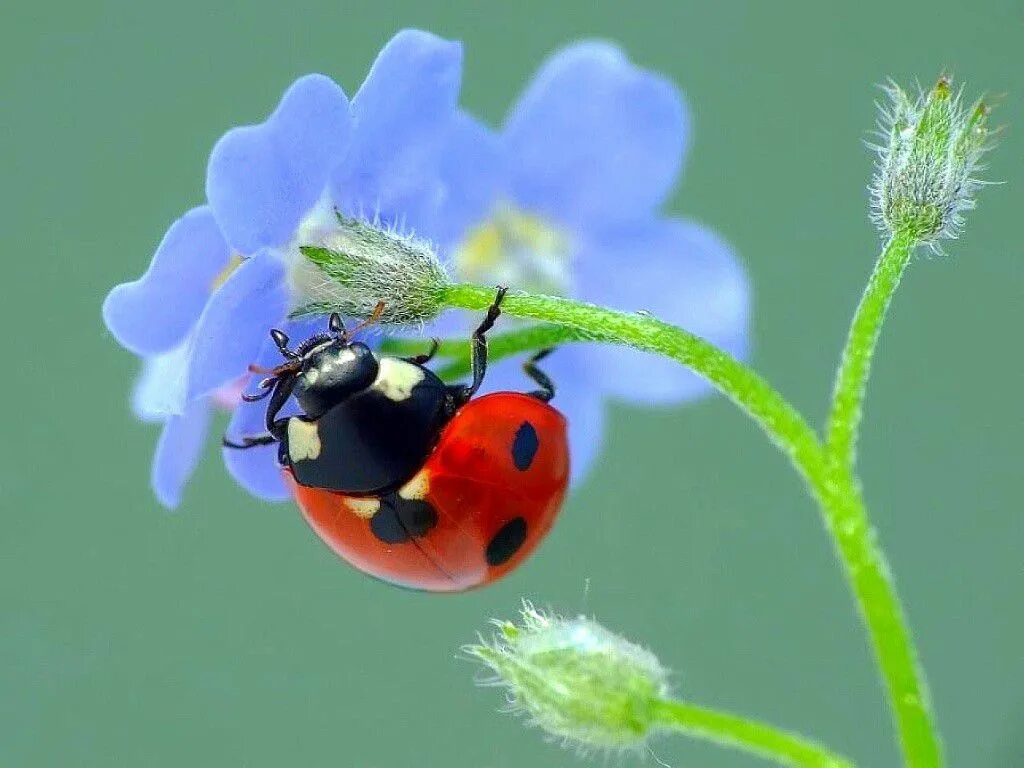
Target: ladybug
411	480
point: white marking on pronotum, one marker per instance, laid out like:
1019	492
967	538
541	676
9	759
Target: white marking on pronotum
326	365
303	439
417	487
396	378
364	508
341	357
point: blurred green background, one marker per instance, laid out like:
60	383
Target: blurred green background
225	634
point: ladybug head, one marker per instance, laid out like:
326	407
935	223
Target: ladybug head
332	370
333	367
324	369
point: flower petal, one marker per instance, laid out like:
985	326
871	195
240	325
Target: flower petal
450	324
681	273
154	313
595	138
470	174
257	469
178	451
235	322
412	86
401	114
581	401
261	179
586	416
159	390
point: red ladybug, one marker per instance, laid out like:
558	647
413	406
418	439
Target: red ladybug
410	479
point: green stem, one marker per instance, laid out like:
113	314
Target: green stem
870	577
832	484
865	562
749	736
851	379
779	420
499	346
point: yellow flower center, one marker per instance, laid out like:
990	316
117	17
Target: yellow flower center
224	274
517	249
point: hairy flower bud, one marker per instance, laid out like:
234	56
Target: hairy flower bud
355	264
931	148
575	679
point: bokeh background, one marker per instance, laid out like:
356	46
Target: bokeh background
225	634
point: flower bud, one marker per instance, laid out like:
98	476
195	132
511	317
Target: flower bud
930	151
355	264
575	679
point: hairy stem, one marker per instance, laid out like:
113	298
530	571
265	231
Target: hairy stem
779	420
865	563
750	736
831	483
852	377
870	577
499	346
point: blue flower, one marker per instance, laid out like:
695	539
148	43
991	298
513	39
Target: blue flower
221	276
564	200
585	160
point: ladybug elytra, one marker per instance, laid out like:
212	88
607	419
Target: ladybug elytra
409	479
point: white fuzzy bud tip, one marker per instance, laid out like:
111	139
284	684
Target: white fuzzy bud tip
357	264
929	153
575	679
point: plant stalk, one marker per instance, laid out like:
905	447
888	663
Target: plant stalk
831	482
749	736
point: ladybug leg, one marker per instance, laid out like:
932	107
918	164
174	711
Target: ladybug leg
425	358
266	387
479	350
547	386
282	391
248	442
277	429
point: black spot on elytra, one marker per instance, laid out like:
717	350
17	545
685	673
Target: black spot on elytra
399	520
524	446
506	541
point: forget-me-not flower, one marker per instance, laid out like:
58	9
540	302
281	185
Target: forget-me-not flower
222	277
585	160
564	200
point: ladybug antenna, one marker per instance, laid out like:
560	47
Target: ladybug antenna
285	370
373	319
294	360
290	367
